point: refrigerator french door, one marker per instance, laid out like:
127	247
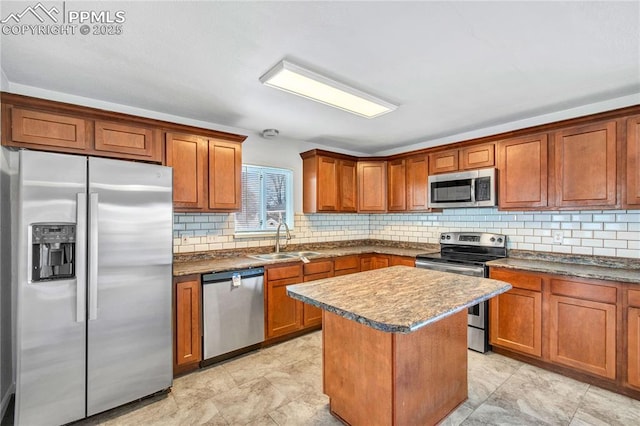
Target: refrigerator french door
94	285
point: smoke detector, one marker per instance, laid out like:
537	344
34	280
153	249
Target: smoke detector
270	133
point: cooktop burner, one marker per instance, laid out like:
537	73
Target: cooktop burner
469	248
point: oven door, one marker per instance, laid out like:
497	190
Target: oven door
454	268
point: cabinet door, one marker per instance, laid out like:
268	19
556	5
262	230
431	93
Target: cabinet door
402	260
582	335
523	170
366	263
477	156
417	188
327	184
372	186
188	156
632	192
379	261
225	176
348	186
49	130
633	344
188	342
131	141
283	312
516	321
443	162
585	165
397	185
312	315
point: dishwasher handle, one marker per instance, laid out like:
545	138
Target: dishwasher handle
217	277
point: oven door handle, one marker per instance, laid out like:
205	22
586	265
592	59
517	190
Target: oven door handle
477	271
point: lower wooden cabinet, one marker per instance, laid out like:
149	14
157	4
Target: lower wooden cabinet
516	316
316	270
187	330
582	335
633	347
402	260
346	265
284	314
373	261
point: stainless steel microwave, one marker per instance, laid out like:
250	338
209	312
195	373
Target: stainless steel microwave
475	188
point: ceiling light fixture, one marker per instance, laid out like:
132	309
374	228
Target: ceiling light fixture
308	84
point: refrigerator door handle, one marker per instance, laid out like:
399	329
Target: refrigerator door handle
81	256
93	256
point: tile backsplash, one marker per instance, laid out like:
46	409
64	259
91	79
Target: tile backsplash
590	232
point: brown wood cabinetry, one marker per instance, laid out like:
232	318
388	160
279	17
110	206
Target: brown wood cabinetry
372	186
284	314
582	327
397	185
187	333
401	260
315	270
632	173
633	338
187	154
523	172
374	261
225	175
417	185
59	132
467	158
516	316
346	265
585	165
207	173
329	182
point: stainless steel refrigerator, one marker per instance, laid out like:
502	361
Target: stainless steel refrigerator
93	288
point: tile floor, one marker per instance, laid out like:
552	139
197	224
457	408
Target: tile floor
282	385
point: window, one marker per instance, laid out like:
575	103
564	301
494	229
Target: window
267	195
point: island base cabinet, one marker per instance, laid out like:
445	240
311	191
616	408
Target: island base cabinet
378	378
633	354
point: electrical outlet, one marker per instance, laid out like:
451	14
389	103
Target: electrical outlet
558	237
185	240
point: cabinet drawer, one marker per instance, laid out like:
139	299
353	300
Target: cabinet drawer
282	272
518	279
347	262
318	267
634	298
578	290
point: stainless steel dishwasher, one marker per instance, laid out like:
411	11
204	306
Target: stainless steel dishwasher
233	311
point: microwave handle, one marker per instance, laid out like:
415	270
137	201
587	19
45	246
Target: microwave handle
473	190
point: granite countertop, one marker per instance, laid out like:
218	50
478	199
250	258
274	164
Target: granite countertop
241	261
576	268
399	299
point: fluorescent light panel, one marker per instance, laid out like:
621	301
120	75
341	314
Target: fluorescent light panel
308	84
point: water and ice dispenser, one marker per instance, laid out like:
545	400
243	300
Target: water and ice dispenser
53	251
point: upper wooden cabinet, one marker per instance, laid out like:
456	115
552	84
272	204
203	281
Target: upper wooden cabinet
49	131
523	172
225	176
407	183
372	186
467	158
585	165
417	185
397	185
329	182
207	173
632	176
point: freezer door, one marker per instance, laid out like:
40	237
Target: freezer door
50	315
129	289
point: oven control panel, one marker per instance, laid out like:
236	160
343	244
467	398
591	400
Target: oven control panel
480	239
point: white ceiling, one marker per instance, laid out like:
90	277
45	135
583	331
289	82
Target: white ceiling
452	66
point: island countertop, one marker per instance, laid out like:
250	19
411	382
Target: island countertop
399	299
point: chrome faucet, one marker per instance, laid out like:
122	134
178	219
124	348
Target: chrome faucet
288	234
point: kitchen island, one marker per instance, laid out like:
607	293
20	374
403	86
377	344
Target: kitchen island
395	342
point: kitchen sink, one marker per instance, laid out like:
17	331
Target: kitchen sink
303	253
287	255
273	256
